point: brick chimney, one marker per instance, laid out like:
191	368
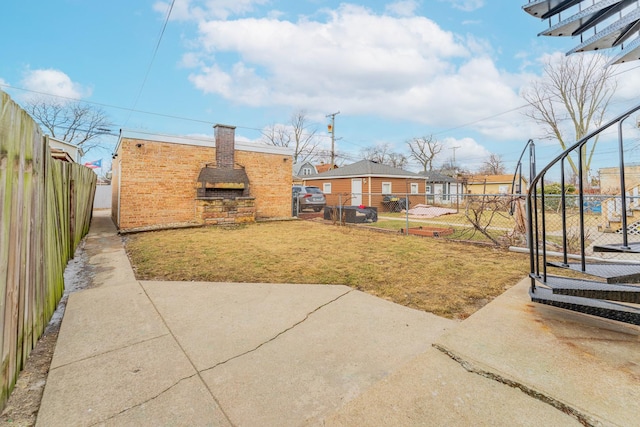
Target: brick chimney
225	145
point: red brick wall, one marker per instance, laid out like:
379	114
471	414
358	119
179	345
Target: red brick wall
157	182
225	143
342	186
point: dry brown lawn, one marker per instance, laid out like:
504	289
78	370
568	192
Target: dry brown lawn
446	278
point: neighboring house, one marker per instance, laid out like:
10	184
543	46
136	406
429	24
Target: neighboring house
610	178
493	184
72	151
366	183
162	181
300	170
441	188
323	167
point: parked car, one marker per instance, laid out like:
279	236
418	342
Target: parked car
308	197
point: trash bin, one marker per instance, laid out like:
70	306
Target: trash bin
351	214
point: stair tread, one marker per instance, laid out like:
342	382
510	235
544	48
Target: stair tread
613	272
633	248
594	307
557	282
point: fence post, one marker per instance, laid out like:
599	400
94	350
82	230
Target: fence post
406	210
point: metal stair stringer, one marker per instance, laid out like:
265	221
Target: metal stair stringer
594	307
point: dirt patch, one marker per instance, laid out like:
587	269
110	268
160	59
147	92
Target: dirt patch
24	401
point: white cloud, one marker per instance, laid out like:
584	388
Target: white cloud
405	68
192	10
628	78
468	152
402	8
466	5
53	82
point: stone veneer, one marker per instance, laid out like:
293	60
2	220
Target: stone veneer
220	211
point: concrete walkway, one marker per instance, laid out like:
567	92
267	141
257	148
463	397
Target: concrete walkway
189	354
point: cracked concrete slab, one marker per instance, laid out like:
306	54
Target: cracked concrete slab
313	369
189	403
579	363
434	390
153	353
95	389
103	319
224	320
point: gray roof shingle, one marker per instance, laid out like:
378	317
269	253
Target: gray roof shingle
432	176
364	168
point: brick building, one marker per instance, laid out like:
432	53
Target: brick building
366	182
163	181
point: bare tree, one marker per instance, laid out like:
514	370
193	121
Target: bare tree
278	135
298	133
378	153
452	168
493	165
577	88
383	154
78	123
424	149
397	160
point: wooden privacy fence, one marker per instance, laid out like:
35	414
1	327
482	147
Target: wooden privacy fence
45	211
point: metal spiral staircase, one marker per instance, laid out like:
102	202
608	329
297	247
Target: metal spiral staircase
595	275
600	24
583	279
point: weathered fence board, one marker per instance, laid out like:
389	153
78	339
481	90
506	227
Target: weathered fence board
44	214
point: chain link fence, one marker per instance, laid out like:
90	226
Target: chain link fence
495	219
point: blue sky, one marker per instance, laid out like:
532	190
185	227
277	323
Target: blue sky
394	70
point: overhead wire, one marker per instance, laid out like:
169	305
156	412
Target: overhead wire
153	57
133	108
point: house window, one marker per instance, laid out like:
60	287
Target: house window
326	188
414	188
386	188
428	189
306	171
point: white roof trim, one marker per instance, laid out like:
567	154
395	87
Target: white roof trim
201	141
59	141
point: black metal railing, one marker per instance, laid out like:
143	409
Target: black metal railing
570	201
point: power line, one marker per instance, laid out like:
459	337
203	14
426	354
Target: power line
153	57
133	109
117	107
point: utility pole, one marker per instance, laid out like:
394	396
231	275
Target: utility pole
455	171
454	148
332	129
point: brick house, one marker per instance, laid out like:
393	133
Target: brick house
162	181
367	182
